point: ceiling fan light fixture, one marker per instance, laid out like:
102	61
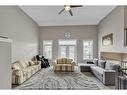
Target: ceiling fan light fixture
67	8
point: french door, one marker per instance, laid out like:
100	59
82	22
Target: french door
67	49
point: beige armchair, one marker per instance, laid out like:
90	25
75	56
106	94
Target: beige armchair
64	64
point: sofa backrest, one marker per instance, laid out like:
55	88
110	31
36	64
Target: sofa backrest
64	61
109	64
20	64
101	63
23	64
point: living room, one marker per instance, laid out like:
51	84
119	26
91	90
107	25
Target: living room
92	32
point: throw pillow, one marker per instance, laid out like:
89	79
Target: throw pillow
31	63
90	61
95	61
64	60
108	66
36	62
27	63
101	63
22	64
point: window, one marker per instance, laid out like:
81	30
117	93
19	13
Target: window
47	49
67	49
87	49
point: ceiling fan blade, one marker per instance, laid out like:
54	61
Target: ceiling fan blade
61	11
70	12
74	6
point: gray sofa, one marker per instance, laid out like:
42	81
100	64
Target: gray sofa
105	71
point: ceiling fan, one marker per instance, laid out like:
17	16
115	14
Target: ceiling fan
68	8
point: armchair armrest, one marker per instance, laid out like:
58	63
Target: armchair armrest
109	77
54	64
73	63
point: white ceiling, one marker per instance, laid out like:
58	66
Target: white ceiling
48	15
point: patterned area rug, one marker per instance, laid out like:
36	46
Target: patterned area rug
47	79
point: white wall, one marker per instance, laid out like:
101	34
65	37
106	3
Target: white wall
16	25
79	33
113	23
5	65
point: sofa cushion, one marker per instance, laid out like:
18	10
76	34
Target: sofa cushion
108	66
95	61
31	63
27	72
59	61
27	63
22	64
64	61
69	61
36	62
63	67
97	69
98	72
101	63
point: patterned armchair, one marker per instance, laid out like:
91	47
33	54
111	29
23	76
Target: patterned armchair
64	64
22	70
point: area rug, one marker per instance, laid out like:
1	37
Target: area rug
47	79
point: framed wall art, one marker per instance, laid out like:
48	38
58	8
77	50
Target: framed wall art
107	40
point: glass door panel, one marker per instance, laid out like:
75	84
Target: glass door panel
67	49
71	52
63	50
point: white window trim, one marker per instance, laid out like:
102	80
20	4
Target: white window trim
83	49
47	45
